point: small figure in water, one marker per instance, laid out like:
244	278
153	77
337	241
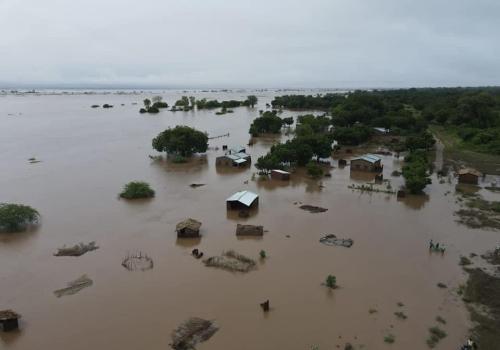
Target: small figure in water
442	249
431	245
436	246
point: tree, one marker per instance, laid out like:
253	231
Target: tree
252	100
415	171
183	102
192	100
137	189
269	122
15	217
331	281
147	103
181	140
288	121
314	169
156	99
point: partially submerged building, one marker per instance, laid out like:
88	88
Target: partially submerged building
188	228
242	200
9	320
468	176
236	156
367	162
278	174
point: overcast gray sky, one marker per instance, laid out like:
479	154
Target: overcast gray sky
253	43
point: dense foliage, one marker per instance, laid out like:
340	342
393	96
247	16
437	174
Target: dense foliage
137	189
15	217
472	113
415	171
154	105
268	123
181	140
302	148
210	104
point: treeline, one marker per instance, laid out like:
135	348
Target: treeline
472	113
203	103
312	140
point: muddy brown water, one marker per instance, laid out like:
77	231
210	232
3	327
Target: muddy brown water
87	155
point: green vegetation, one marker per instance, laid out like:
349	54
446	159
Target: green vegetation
268	123
251	101
479	213
435	335
314	169
181	140
262	254
401	315
480	293
331	282
415	171
442	285
137	189
389	339
154	105
16	217
210	104
464	261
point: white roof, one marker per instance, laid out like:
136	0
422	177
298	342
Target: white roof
383	130
371	158
242	155
281	171
245	197
240	160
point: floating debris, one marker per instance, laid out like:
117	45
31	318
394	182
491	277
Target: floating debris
197	253
332	240
312	208
33	160
249	230
231	261
74	286
137	262
191	332
265	306
76	250
195	185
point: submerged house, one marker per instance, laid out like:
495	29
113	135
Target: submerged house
367	162
468	176
242	200
278	174
235	156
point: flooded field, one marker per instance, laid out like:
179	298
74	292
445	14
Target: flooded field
86	156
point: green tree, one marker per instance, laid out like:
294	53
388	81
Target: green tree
269	122
192	100
15	217
147	103
183	102
181	140
331	281
137	189
252	100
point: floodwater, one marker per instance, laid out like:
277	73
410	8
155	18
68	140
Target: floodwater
87	155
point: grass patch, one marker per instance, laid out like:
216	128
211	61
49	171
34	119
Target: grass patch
435	335
389	339
401	315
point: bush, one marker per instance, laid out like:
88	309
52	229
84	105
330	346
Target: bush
269	122
262	254
137	189
314	169
331	281
15	217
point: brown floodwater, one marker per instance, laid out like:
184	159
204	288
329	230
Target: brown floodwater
86	156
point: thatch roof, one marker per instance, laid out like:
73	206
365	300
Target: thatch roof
8	315
465	171
189	223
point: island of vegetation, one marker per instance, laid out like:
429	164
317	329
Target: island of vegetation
136	190
181	142
17	217
154	105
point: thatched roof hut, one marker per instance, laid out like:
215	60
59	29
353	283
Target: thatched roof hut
188	228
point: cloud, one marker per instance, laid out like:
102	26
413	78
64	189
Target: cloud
198	43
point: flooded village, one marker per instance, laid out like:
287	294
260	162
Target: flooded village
222	255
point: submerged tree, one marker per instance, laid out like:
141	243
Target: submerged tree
181	140
137	189
252	100
15	217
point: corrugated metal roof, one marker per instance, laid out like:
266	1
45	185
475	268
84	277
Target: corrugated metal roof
237	149
244	197
281	171
369	158
240	160
241	155
469	171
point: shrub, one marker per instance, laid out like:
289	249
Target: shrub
331	281
182	140
389	339
137	189
314	169
262	254
15	217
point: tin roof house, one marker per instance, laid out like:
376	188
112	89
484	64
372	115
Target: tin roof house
367	162
242	200
235	156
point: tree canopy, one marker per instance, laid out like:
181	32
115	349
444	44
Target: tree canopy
15	217
268	123
181	140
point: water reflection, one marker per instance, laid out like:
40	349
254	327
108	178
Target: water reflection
416	202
